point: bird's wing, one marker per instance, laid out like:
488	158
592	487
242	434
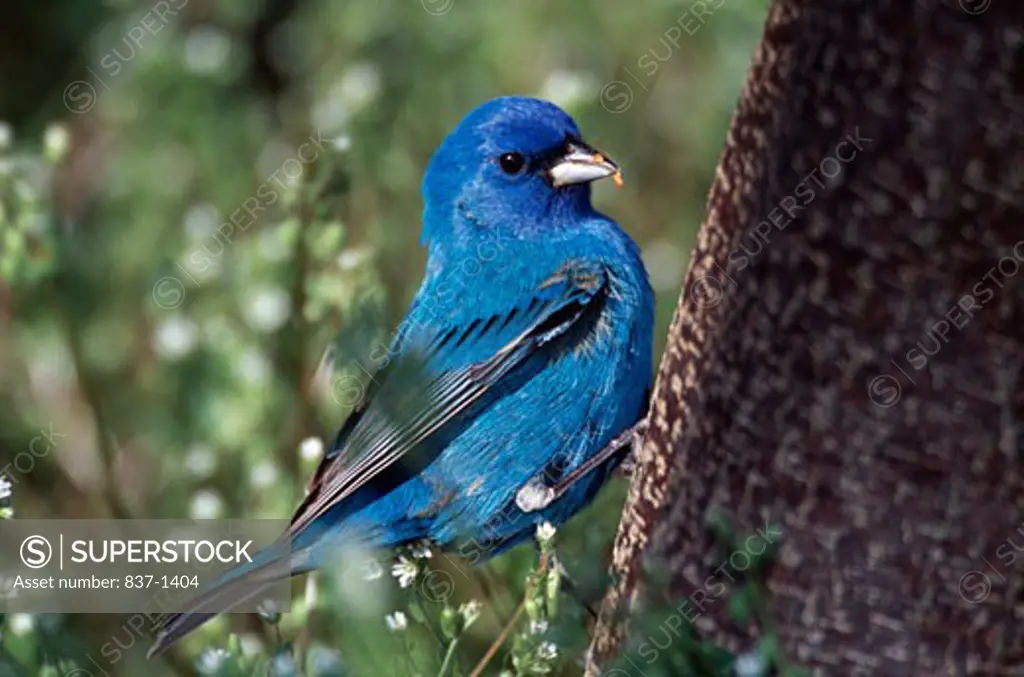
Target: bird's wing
415	403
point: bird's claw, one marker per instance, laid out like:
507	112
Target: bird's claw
534	496
629	463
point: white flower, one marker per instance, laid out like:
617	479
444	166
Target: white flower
175	337
372	570
421	550
206	50
21	624
200	460
264	474
206	505
546	532
359	84
311	449
5	488
470	611
547	651
267	308
212	661
396	622
405	570
267	608
750	664
341	142
538	627
55	142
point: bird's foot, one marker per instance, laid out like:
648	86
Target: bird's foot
634	437
627	466
534	496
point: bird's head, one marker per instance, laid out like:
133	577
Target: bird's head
515	164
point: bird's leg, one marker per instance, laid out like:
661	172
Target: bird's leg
535	495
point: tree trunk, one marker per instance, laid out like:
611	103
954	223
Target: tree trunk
845	361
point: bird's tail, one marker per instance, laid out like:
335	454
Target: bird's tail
230	591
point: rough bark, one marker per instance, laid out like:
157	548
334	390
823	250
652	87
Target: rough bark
797	387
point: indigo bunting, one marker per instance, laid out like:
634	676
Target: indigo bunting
524	356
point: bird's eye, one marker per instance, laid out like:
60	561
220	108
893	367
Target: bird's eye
511	163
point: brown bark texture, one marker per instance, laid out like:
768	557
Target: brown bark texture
846	359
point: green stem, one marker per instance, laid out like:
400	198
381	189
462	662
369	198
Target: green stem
449	658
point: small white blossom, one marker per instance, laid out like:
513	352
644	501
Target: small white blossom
21	624
5	488
396	622
546	532
341	142
267	308
311	449
206	50
405	570
421	550
175	337
538	627
547	651
206	505
213	661
200	460
359	84
267	608
264	474
470	611
750	664
55	142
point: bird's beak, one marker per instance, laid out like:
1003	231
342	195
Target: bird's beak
580	163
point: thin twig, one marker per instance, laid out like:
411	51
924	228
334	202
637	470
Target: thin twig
493	649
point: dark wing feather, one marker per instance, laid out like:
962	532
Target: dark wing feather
396	421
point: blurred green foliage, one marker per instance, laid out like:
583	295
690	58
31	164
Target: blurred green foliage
198	198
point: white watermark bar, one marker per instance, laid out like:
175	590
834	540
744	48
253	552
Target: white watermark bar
150	566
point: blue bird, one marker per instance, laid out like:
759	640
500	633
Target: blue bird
523	359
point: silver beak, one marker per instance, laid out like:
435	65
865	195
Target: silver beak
582	164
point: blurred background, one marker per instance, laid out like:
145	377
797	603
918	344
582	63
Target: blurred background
209	216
